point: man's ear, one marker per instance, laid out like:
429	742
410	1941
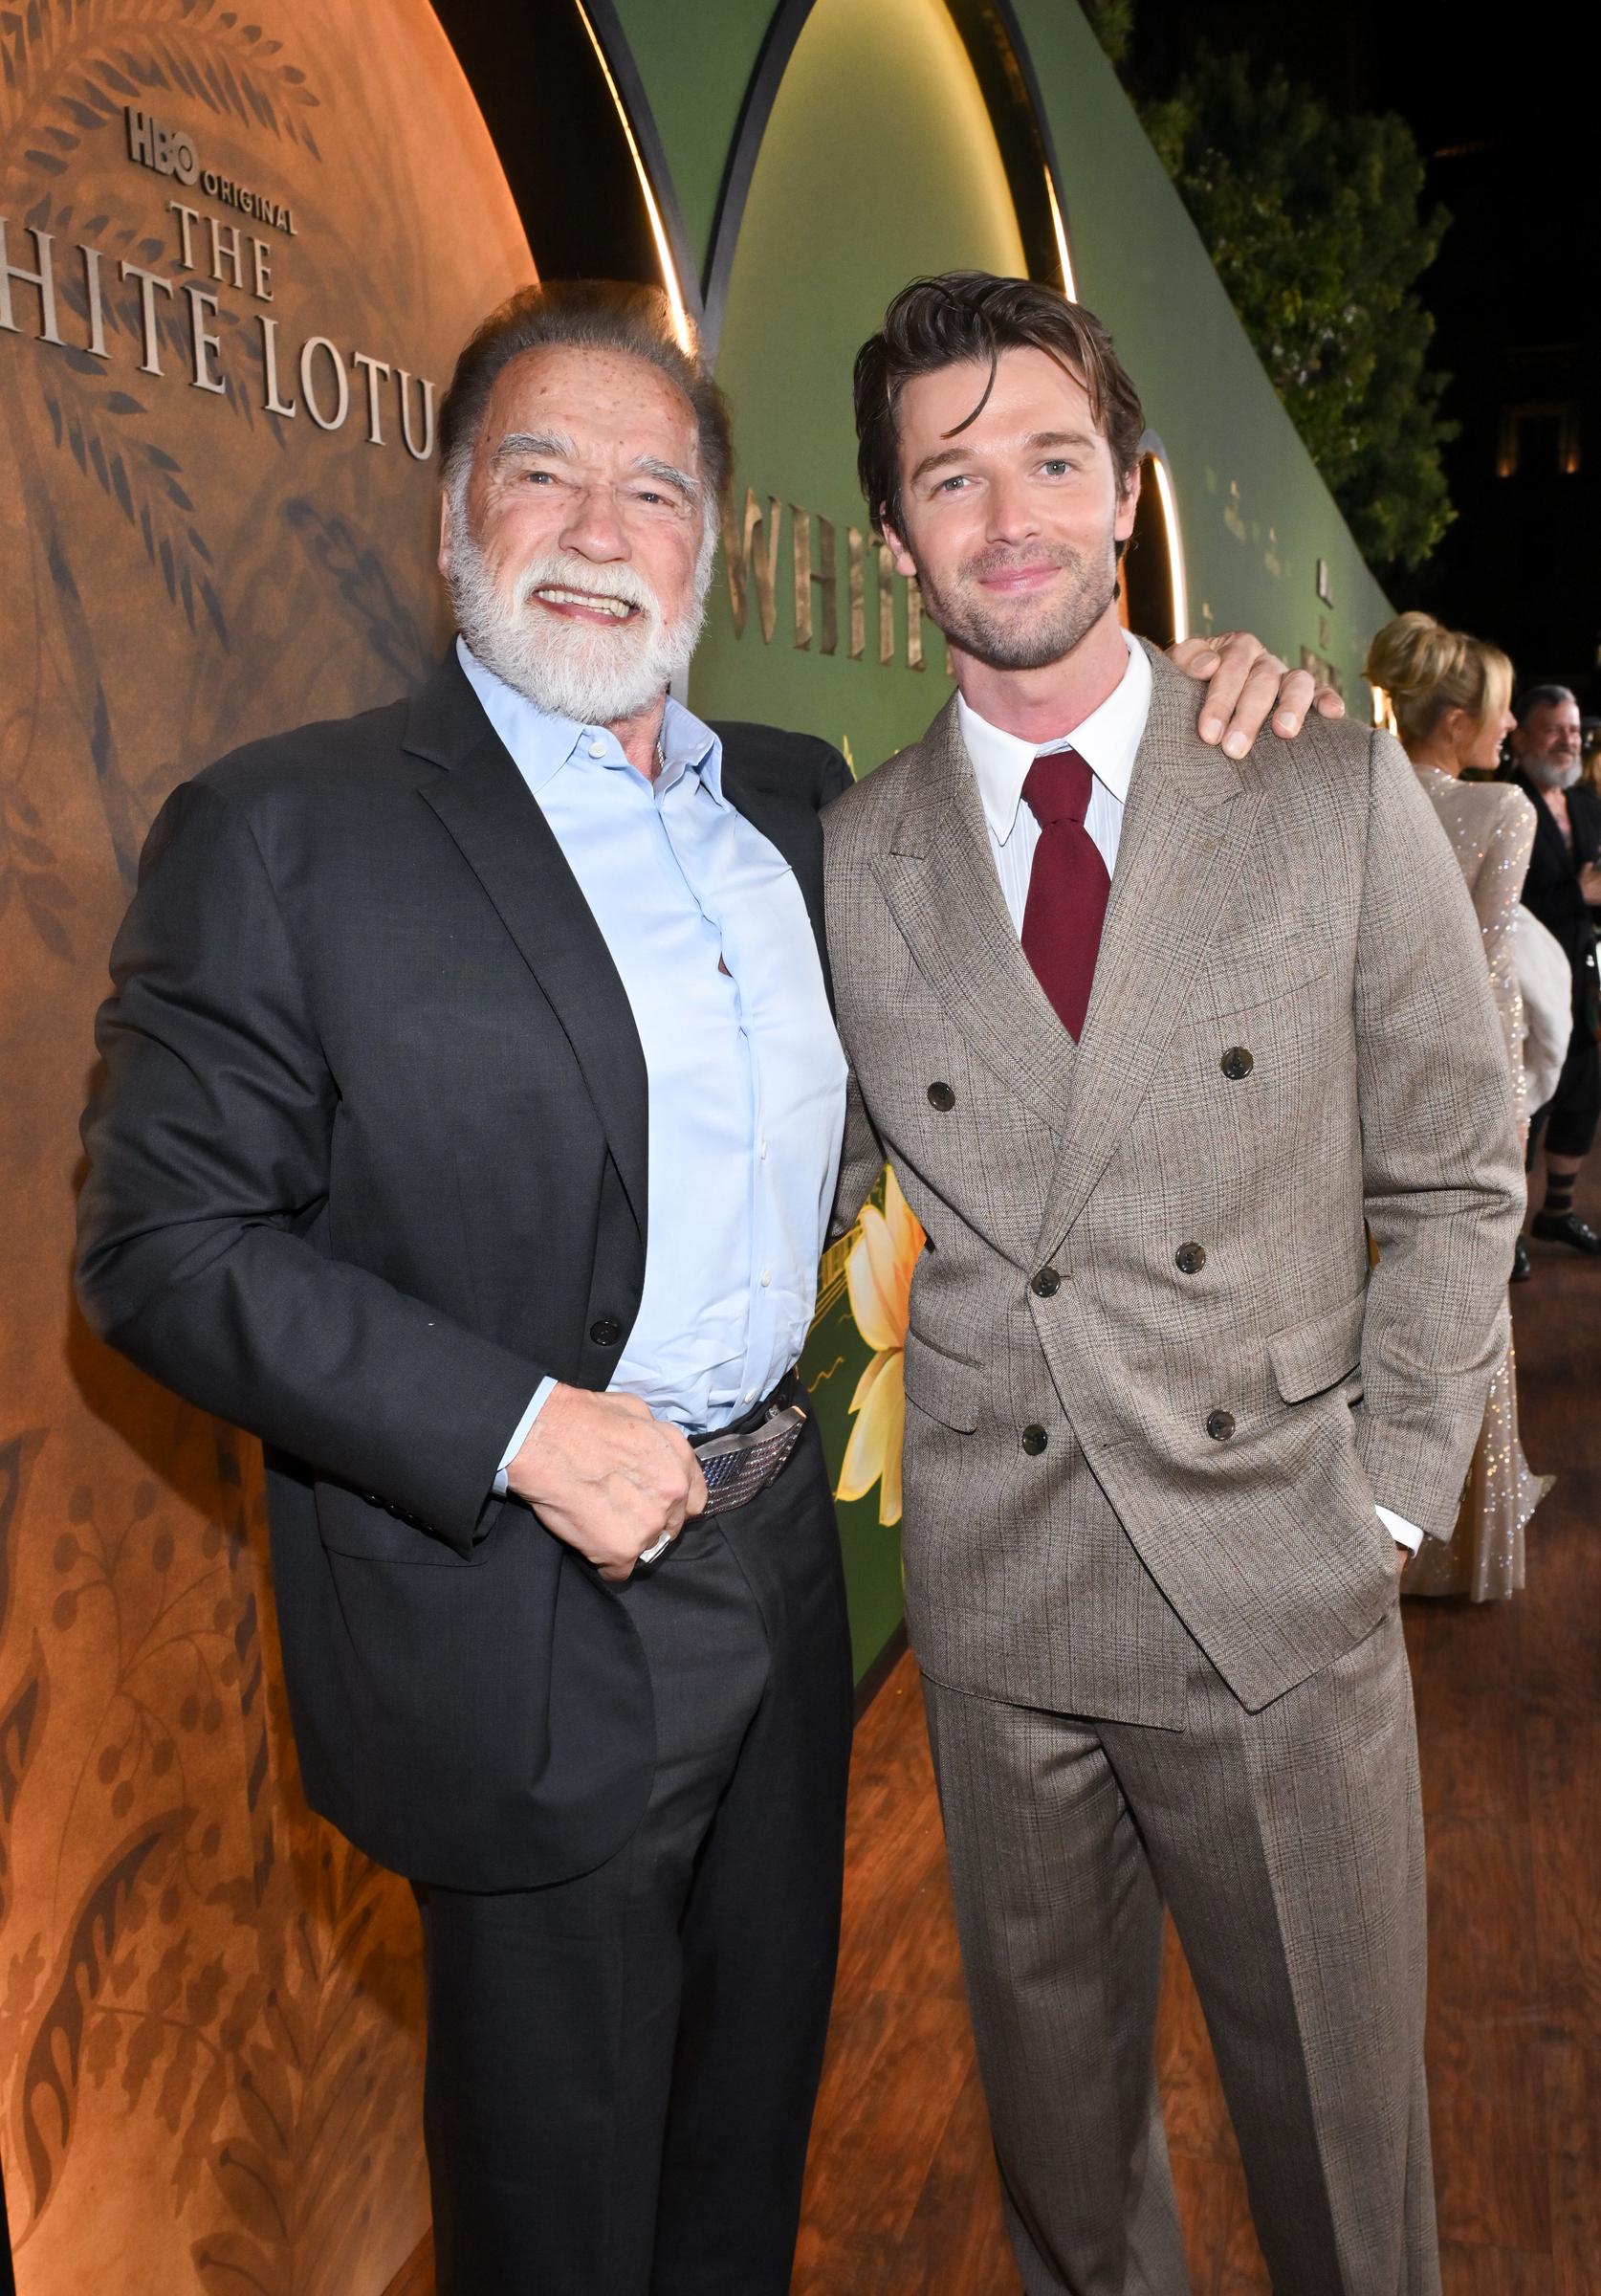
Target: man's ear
1123	525
901	557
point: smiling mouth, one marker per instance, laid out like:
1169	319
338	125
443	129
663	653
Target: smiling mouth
586	602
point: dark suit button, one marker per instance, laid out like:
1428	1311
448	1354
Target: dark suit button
1219	1425
1034	1439
605	1332
942	1097
1190	1258
1047	1283
1237	1063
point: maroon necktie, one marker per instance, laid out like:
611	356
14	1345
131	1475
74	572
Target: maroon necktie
1067	887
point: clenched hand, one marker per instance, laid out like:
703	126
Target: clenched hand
605	1477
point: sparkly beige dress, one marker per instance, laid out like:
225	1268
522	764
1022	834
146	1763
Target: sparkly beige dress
1491	829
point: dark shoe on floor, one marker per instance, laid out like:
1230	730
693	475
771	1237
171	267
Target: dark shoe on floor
1566	1228
1521	1268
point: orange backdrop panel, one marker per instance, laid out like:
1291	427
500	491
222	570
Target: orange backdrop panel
209	2006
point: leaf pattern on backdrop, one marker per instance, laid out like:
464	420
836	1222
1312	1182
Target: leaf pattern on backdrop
21	1728
48	2097
311	2087
30	870
365	590
210	2007
232	66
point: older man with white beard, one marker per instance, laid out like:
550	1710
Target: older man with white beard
469	1124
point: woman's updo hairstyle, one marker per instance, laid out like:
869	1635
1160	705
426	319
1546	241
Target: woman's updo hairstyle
1427	670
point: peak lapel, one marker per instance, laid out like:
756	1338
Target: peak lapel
487	807
940	882
1185	837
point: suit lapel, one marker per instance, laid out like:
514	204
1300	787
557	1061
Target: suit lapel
1186	835
485	804
941	881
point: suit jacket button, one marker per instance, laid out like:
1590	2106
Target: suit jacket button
942	1097
1190	1258
1237	1063
1219	1425
607	1332
1034	1439
1046	1284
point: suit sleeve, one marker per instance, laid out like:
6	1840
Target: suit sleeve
1442	1176
201	1219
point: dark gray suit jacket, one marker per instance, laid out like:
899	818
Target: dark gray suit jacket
368	1161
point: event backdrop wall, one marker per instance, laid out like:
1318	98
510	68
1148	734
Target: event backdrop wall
239	252
260	250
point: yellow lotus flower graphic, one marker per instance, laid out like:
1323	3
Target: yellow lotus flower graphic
878	1276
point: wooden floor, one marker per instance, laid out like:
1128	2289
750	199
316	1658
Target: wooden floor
901	2195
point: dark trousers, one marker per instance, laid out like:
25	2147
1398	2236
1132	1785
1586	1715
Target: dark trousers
621	2067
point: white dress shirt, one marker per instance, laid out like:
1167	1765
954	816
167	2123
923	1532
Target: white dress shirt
709	932
1108	741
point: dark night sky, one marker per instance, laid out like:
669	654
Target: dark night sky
1508	119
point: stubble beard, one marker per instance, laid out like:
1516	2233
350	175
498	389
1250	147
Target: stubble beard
571	669
1027	635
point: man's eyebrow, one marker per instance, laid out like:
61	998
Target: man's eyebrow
937	461
535	442
669	476
944	456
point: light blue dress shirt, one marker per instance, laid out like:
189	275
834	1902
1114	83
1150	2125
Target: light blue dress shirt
747	1077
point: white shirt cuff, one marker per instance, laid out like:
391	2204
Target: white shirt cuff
520	1435
1403	1532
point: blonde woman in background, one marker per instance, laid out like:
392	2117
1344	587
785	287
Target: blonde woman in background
1450	694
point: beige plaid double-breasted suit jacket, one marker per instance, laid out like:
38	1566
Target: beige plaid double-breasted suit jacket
1154	1393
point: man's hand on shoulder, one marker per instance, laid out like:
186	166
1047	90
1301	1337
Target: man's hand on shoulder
1244	683
605	1477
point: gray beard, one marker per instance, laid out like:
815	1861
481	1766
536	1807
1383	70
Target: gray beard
593	676
1550	776
1008	642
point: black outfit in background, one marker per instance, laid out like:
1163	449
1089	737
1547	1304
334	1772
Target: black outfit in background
367	1163
1551	891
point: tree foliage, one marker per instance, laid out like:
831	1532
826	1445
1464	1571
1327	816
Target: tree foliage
1112	22
1312	220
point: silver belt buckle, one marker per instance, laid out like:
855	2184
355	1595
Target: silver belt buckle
737	1467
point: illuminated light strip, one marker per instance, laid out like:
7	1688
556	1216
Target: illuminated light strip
1176	550
1060	230
1384	710
683	325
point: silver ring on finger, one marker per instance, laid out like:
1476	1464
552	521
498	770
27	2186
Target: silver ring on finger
655	1551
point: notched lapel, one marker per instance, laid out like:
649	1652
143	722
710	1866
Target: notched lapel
942	888
487	807
1186	836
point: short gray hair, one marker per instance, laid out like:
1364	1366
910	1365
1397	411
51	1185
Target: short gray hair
1538	698
584	315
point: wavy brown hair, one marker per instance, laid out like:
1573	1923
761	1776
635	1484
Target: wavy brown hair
967	318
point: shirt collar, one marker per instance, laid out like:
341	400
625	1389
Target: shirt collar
541	743
1108	740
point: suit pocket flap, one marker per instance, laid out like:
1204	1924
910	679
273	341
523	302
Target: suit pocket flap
942	1386
1319	1352
359	1524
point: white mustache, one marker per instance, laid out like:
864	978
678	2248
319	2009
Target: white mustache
619	589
